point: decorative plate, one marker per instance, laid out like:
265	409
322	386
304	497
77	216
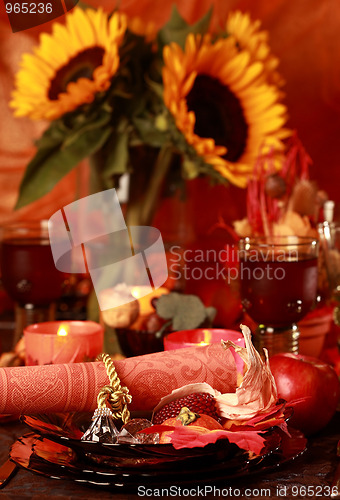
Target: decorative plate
67	430
55	450
43	456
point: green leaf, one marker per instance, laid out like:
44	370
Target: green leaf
117	157
190	169
53	136
210	313
177	29
52	163
185	311
167	305
63	145
97	121
149	133
84	5
157	88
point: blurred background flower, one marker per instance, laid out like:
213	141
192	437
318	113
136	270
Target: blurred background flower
303	35
181	101
70	66
223	104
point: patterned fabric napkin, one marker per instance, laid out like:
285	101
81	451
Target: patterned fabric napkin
74	387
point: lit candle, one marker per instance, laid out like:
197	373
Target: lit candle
56	342
144	298
203	337
200	337
128	306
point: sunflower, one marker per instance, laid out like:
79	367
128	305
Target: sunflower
248	36
70	66
221	105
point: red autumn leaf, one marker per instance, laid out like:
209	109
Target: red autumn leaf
275	411
195	436
187	437
276	416
248	440
261	426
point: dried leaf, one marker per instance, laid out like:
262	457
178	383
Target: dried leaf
274	417
257	392
293	223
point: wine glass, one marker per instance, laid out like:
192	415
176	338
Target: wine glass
278	280
28	273
329	233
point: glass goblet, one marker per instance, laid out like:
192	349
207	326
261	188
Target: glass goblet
28	273
278	281
329	234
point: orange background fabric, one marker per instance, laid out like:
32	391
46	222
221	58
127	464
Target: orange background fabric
304	34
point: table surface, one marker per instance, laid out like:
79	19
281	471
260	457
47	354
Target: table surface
314	469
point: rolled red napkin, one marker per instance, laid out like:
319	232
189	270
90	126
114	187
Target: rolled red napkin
74	387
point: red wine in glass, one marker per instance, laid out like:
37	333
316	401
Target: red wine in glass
28	272
278	293
278	283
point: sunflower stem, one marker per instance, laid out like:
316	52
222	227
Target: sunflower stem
133	213
154	188
141	209
96	180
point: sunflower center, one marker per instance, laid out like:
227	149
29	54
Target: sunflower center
80	66
219	115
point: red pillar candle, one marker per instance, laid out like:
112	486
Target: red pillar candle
204	336
55	342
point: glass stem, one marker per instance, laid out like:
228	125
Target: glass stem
276	340
30	314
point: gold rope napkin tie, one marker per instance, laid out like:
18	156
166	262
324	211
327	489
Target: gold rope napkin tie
112	402
115	395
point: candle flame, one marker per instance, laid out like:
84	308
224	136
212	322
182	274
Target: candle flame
206	337
137	292
144	295
62	331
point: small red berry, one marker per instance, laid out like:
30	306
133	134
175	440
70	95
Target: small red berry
275	186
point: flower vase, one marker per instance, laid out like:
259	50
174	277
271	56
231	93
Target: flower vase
209	259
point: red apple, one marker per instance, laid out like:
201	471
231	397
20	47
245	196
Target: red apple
310	380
